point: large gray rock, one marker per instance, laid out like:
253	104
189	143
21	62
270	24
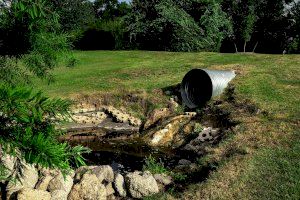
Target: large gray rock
59	195
184	162
43	182
141	184
8	162
163	179
104	173
61	183
170	135
119	184
89	188
28	179
82	170
33	194
49	172
157	115
198	145
109	189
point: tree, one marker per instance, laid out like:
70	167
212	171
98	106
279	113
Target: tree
243	18
293	40
177	25
106	9
74	14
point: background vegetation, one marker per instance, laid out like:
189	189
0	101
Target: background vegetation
36	37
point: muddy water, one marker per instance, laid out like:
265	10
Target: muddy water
126	155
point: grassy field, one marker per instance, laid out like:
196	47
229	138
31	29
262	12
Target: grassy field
269	168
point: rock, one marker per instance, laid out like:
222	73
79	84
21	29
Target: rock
187	168
119	184
196	149
111	197
186	165
9	163
141	184
197	145
163	179
89	117
82	170
61	183
49	172
192	114
184	162
104	173
109	189
28	179
171	134
122	117
89	188
33	194
207	134
43	182
156	115
59	195
173	104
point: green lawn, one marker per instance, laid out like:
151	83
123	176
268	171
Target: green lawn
270	169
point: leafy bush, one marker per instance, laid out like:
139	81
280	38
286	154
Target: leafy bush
47	50
11	73
27	129
177	25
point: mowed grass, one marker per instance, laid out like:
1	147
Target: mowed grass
269	168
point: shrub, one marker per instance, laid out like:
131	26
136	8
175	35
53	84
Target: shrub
27	126
47	50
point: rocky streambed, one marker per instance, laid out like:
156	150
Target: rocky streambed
121	147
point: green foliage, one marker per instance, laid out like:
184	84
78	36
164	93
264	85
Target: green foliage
216	27
153	166
27	129
294	40
178	26
243	18
110	9
116	27
34	11
47	50
294	46
74	15
11	73
185	31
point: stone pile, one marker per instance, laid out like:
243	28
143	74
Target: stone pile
85	183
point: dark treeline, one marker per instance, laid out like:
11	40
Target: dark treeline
264	26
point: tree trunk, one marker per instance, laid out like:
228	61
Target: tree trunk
253	51
245	44
236	49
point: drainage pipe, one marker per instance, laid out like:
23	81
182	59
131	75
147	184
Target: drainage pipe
200	85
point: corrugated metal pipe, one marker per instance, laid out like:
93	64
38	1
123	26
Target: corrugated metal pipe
200	85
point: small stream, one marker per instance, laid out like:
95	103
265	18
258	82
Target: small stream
126	155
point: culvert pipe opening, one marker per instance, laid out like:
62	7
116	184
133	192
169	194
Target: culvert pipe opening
200	85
